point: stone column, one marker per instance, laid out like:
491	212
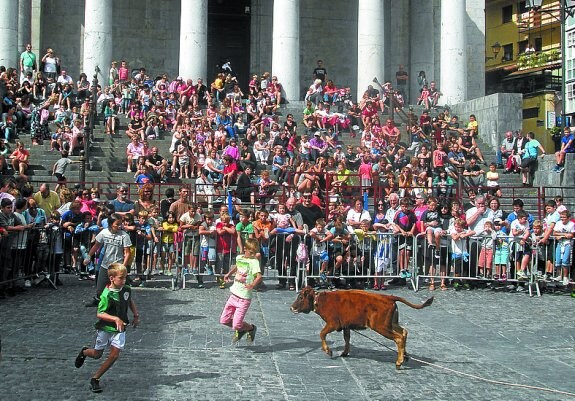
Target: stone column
194	40
9	33
421	44
98	39
453	83
25	25
285	47
370	44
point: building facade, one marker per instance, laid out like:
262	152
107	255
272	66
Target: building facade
357	40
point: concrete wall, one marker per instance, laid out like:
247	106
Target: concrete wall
475	48
328	31
495	113
545	177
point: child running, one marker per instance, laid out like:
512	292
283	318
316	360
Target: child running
247	277
113	319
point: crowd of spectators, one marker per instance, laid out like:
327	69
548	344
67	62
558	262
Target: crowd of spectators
241	146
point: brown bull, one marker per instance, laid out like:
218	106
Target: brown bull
356	310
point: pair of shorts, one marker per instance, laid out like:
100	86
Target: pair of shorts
167	247
208	254
192	245
405	243
105	339
485	258
501	256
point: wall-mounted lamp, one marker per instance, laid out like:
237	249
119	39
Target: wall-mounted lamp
495	48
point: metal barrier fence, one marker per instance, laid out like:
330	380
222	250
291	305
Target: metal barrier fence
497	258
33	254
362	259
205	255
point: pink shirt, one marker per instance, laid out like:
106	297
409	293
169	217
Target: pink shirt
123	73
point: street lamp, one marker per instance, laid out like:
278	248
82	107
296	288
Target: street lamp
566	9
495	48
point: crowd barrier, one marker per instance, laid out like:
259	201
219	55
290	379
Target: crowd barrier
33	255
501	259
360	260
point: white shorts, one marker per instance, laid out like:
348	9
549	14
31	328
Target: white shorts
106	339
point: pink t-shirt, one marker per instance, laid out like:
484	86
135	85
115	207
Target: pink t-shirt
365	170
136	149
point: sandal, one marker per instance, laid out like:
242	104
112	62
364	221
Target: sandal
432	287
443	287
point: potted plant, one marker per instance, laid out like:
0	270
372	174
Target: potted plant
555	133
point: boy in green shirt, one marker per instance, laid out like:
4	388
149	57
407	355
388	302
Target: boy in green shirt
113	319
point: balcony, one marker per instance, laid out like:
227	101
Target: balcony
548	58
547	17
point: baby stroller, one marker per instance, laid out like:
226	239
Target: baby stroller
39	128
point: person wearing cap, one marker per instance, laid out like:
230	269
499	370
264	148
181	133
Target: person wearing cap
318	147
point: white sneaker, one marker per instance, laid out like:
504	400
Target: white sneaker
27	284
565	280
521	275
146	272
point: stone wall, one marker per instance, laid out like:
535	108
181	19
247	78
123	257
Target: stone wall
545	177
495	113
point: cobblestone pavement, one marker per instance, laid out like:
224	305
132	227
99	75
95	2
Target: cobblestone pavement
181	352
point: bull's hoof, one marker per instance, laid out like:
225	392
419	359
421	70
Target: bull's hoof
344	354
329	352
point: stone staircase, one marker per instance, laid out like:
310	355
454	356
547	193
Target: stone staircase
108	158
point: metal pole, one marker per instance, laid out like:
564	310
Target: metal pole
563	94
460	183
93	114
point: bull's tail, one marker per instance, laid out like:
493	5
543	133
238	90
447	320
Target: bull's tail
427	303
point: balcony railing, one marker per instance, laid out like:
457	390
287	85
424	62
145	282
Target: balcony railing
538	59
544	17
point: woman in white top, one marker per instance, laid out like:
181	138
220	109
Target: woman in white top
262	149
355	215
51	65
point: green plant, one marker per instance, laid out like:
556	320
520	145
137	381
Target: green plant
522	61
542	58
554	54
555	130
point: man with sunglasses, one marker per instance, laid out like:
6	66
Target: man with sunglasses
122	205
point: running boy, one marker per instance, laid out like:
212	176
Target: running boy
113	319
247	277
